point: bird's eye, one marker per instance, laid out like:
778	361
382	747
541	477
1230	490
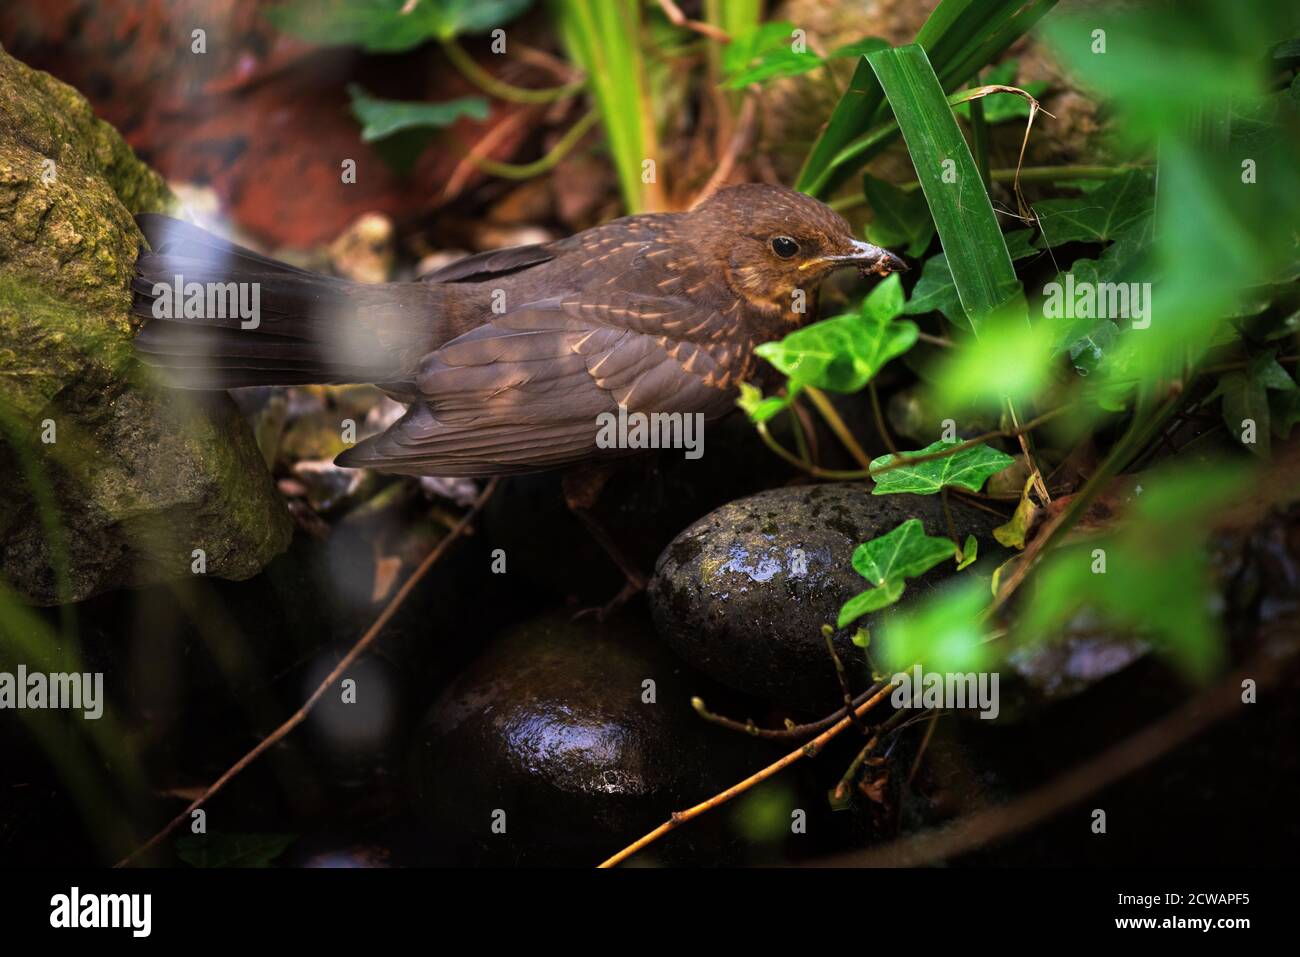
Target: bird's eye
784	246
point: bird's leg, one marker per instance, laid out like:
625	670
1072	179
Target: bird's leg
581	490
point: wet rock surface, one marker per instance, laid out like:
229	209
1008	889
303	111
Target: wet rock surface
743	593
549	737
121	480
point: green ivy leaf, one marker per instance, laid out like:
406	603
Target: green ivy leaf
382	118
968	469
1099	216
936	291
382	26
1245	396
903	553
888	561
844	353
873	599
1020	244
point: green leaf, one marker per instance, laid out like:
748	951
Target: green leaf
901	216
765	53
968	469
963	214
1012	534
1099	216
844	353
903	553
381	26
936	292
762	408
232	850
873	599
888	561
1020	244
382	118
969	552
1246	400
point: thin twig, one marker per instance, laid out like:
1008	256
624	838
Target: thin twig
841	675
879	415
846	780
791	731
344	664
842	431
809	750
679	19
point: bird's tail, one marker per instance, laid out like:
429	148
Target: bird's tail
219	316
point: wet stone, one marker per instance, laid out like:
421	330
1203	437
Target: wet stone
743	593
546	751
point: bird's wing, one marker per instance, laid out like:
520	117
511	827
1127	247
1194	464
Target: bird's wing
492	264
523	392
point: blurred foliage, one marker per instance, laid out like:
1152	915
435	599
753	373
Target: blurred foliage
381	118
390	26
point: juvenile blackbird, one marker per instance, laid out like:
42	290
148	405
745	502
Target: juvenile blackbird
507	358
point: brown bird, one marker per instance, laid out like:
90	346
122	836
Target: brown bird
508	358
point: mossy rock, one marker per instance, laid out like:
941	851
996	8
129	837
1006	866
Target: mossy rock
111	480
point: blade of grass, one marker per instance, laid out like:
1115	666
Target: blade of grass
604	37
963	214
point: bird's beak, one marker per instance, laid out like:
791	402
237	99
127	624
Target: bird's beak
868	259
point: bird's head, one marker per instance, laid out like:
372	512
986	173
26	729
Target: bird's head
775	241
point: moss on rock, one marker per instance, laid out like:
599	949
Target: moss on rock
136	477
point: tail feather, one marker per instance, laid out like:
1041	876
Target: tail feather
220	316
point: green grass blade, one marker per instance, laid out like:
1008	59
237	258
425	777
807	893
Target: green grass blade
963	214
604	38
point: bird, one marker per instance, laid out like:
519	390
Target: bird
509	360
506	358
